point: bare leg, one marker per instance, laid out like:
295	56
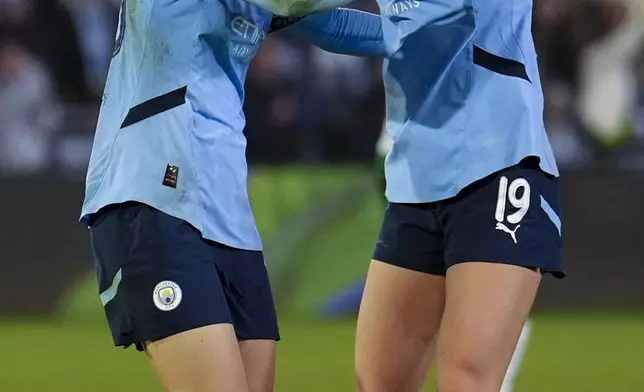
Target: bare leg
486	307
259	362
205	359
397	325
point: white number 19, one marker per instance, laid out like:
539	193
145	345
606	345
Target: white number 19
510	194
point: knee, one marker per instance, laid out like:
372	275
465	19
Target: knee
467	375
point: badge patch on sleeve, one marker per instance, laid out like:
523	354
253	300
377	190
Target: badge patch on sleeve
171	176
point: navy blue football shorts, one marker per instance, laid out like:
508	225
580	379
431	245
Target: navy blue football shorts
158	277
510	217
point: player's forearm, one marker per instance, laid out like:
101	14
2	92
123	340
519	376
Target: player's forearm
344	31
298	7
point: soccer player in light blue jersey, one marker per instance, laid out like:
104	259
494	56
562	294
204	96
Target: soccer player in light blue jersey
179	262
472	222
347	302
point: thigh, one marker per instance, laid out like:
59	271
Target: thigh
156	275
486	307
398	320
162	292
259	361
205	359
249	297
248	293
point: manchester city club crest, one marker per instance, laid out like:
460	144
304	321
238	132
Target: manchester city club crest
167	295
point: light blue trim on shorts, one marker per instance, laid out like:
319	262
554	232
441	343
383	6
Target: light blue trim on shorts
551	214
110	293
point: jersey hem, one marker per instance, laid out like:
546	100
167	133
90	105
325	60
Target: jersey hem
458	187
88	211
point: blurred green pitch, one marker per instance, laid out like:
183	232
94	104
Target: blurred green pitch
568	354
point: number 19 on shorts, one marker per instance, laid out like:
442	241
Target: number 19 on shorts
517	193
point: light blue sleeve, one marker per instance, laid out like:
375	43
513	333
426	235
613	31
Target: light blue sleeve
343	31
298	7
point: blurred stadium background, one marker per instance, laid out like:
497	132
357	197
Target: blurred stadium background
313	121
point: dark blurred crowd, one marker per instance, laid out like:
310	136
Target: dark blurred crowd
307	105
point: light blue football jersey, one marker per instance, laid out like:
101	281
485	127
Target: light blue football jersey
170	128
463	92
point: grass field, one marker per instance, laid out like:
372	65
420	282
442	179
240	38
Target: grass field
591	352
569	353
